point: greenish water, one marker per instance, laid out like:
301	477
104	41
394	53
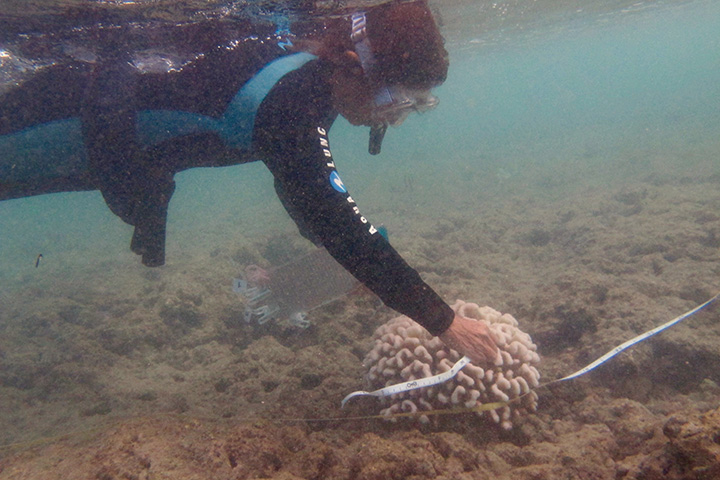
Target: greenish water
544	100
547	99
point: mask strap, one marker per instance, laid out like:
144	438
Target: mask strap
359	37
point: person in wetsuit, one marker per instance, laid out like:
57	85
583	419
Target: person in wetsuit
122	109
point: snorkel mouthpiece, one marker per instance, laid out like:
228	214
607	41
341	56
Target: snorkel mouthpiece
377	133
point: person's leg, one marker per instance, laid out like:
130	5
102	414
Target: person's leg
150	222
134	187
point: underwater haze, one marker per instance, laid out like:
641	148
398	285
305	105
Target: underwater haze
570	176
534	88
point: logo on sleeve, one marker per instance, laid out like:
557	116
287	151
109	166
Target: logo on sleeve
336	183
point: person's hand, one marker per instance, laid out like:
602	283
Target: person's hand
471	338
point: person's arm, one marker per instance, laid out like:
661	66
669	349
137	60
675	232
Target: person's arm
291	136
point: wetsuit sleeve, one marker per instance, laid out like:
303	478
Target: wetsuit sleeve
291	137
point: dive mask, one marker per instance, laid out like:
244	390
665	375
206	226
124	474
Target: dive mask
391	103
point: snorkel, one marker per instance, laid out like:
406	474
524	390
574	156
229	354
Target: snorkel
391	103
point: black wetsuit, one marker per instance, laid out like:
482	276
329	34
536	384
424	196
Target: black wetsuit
146	104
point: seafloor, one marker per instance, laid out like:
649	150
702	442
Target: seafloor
124	372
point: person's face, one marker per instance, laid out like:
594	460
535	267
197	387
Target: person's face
362	104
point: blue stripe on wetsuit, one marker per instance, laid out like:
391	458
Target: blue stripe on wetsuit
56	149
236	124
51	150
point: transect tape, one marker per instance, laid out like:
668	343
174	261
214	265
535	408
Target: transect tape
444	377
636	340
413	384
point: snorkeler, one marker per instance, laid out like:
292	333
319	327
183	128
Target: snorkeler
122	109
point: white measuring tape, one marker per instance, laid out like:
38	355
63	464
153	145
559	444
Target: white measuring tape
413	384
636	340
444	377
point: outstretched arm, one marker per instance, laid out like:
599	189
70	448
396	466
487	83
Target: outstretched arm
291	136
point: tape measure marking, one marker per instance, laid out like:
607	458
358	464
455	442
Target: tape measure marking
634	341
412	384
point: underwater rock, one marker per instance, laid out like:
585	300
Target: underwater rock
181	313
537	237
692	452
